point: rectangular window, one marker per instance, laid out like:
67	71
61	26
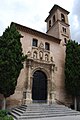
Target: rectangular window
35	42
47	46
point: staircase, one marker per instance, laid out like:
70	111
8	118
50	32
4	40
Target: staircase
34	111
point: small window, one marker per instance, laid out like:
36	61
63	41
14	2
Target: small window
47	46
64	29
35	42
62	18
49	23
65	40
53	18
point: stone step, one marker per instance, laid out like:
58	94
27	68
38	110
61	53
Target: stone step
47	109
48	112
22	108
41	110
19	110
44	105
15	116
52	108
30	112
43	116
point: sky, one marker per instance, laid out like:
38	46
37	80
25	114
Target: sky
32	13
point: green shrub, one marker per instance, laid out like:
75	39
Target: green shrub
8	118
1	118
3	113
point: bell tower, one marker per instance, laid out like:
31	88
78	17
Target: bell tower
57	24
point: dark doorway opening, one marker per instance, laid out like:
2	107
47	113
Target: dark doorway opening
39	87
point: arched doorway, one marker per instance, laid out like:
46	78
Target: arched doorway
39	87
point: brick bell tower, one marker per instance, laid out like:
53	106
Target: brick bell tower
57	24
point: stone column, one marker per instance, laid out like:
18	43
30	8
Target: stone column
28	91
29	74
48	89
52	92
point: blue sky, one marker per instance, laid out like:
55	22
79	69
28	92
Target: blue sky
32	13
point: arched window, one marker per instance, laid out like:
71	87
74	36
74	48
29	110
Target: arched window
64	30
62	18
35	55
46	57
65	40
54	19
49	23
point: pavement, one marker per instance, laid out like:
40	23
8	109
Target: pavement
77	117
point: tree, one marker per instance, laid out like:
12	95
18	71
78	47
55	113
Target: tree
72	70
11	60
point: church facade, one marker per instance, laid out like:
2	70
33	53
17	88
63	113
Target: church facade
42	78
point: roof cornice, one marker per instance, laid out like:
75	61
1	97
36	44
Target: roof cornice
36	33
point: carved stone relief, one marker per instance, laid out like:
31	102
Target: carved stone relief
41	45
29	53
41	55
35	55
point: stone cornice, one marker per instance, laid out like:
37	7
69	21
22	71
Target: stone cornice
36	33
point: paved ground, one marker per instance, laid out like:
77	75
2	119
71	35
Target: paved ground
60	118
